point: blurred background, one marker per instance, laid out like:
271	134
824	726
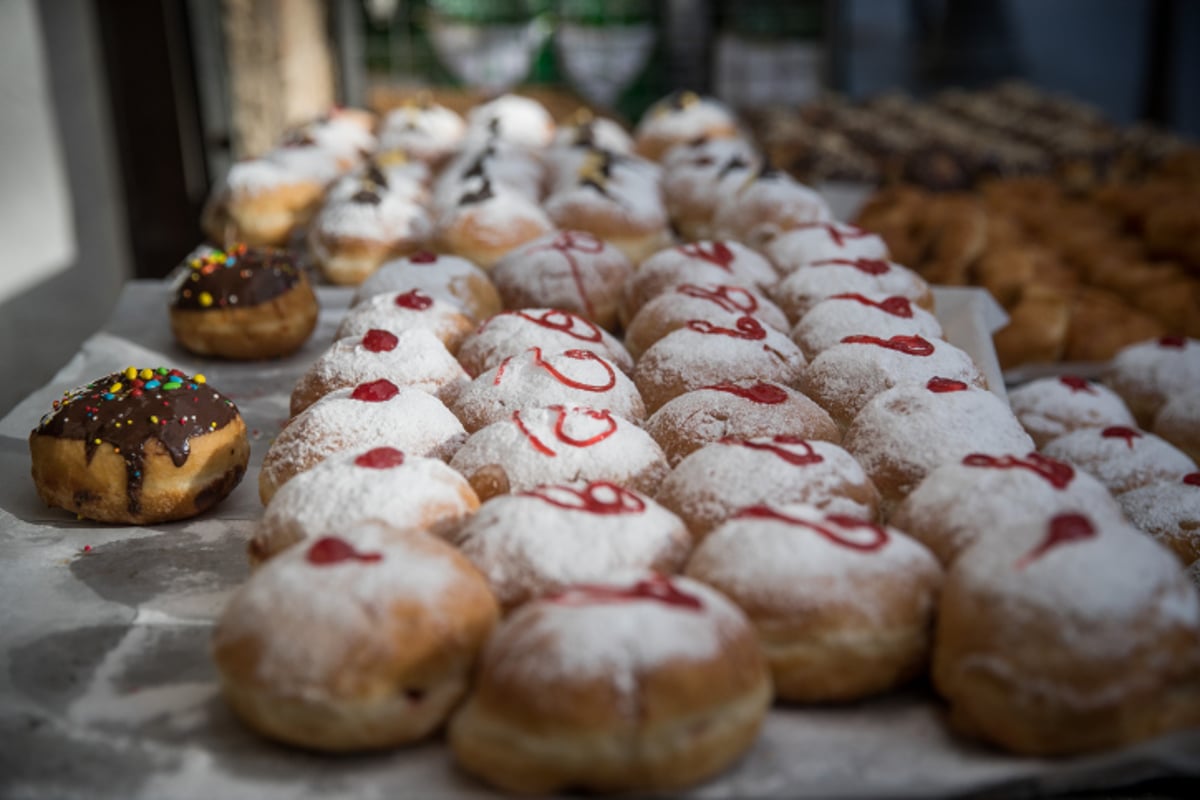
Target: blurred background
119	115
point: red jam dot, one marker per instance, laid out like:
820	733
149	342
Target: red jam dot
1076	384
1121	432
1176	342
381	458
942	385
414	300
909	345
1192	479
714	253
332	550
375	391
380	341
423	257
766	394
1064	529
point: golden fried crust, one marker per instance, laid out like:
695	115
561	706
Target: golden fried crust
265	219
273	329
462	237
1037	328
1102	324
348	261
98	490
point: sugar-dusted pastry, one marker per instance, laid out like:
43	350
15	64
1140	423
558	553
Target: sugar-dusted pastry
821	241
682	117
766	205
1170	512
799	291
448	278
401	311
849	314
1148	374
721	304
725	263
1123	458
1051	407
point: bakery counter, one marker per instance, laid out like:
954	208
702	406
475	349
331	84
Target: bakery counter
107	688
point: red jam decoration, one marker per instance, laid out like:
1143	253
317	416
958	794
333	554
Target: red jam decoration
808	457
380	341
767	394
876	537
598	497
1192	479
568	243
909	345
601	415
381	458
745	328
728	298
1056	473
564	322
1077	384
1064	528
713	252
537	443
896	306
657	588
943	385
576	355
838	232
871	266
414	300
332	550
376	391
1121	432
423	257
1175	342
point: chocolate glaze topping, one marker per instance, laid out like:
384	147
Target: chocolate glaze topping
125	410
241	277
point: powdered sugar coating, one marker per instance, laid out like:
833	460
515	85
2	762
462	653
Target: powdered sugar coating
842	379
1149	373
395	221
766	206
259	175
382	311
527	547
1178	421
709	155
507	168
428	131
721	304
713	483
698	262
834	318
592	132
339	134
1052	407
539	378
1170	512
822	240
405	181
510	333
609	195
418	360
511	118
443	277
682	117
798	292
958	503
697	173
1121	462
530	453
310	162
486	229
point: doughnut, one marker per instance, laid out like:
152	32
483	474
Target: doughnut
843	378
695	175
537	378
798	292
608	171
450	279
344	134
1170	512
1178	421
843	607
494	166
139	447
821	241
571	270
487	221
247	303
541	541
679	118
963	500
401	492
512	118
698	263
1122	458
743	409
715	482
833	319
1148	374
904	433
766	204
639	682
584	130
412	309
721	304
511	333
1051	407
414	358
374	414
560	444
401	174
702	353
355	644
424	129
1068	635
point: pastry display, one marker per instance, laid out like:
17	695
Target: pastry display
1051	407
1123	458
447	278
397	312
140	446
1170	512
511	333
720	304
680	118
833	319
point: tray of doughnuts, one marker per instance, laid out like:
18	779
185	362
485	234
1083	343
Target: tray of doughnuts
557	496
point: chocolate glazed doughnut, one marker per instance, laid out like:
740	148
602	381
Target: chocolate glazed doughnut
138	447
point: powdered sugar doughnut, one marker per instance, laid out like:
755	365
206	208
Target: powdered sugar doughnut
638	682
743	409
702	353
414	358
343	647
906	432
822	241
512	118
543	540
403	493
448	278
263	200
963	500
388	171
720	304
842	606
343	134
726	263
1170	512
844	378
571	270
397	312
583	130
766	205
487	221
696	174
682	117
511	333
537	378
716	481
1052	407
1067	635
372	414
609	171
798	292
1178	421
1148	374
1123	458
834	318
429	131
560	444
493	166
